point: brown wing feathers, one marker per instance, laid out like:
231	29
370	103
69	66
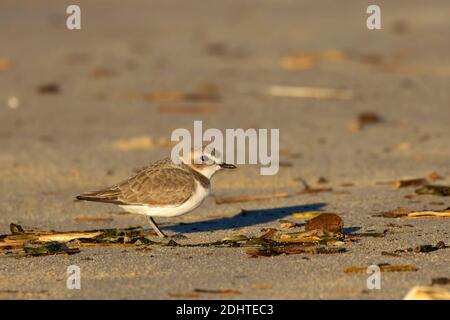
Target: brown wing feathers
159	184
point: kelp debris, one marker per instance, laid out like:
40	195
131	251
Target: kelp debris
437	190
383	268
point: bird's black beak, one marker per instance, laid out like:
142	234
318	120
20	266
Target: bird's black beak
227	166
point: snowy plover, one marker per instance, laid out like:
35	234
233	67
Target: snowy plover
164	188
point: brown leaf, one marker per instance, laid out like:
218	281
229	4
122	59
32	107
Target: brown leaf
436	190
293	249
427	293
367	118
284	224
309	92
410	183
383	268
435	176
315	190
5	64
440	281
219	291
327	222
207	95
185	295
396	213
50	88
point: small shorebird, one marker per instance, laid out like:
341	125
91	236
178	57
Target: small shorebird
164	188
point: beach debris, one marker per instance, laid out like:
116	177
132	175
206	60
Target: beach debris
327	221
436	190
427	293
385	267
307	189
23	242
315	190
185	295
218	291
102	72
13	102
406	213
262	286
307	215
308	92
306	60
140	143
420	214
435	176
208	93
425	248
49	88
437	203
48	248
441	281
430	248
203	108
5	64
364	119
322	180
410	183
293	249
247	198
30	242
285	224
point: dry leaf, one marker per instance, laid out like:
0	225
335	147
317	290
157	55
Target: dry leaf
435	176
307	60
292	249
410	183
327	221
315	190
443	191
219	291
427	293
5	64
383	268
417	214
396	213
298	62
186	295
309	92
50	88
262	286
364	119
287	224
307	215
208	94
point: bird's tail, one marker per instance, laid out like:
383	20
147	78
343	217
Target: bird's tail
109	196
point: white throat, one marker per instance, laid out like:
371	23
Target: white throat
208	171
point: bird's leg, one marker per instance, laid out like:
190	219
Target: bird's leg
156	228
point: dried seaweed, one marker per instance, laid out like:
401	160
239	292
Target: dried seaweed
410	183
383	268
436	190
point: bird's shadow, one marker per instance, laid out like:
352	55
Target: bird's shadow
243	219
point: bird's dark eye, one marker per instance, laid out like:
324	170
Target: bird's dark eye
205	158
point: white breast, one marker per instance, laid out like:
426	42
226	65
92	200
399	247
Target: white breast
170	211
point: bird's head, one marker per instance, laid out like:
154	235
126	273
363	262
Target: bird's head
207	163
